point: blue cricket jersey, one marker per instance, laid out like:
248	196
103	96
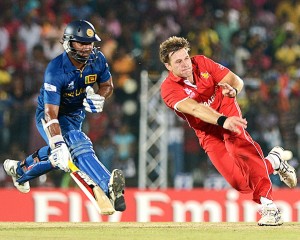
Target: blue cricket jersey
64	85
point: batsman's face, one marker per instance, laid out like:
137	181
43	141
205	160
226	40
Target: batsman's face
83	49
180	63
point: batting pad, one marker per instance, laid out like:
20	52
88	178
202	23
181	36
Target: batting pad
84	157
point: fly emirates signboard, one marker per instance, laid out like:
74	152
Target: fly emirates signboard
170	205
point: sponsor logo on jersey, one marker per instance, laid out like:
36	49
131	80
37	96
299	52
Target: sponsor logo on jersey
50	87
90	79
189	92
75	93
211	100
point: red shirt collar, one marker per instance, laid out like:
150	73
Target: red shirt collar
175	78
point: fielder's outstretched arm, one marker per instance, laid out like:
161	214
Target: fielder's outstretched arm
209	115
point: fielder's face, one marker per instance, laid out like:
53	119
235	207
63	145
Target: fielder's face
83	49
180	63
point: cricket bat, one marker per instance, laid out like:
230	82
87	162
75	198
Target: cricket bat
95	194
91	189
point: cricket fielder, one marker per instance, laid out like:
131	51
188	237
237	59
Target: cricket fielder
203	93
67	91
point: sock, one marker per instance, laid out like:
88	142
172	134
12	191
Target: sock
274	160
267	202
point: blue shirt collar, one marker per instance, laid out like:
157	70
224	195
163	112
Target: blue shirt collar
67	64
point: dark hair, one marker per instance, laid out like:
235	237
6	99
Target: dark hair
172	44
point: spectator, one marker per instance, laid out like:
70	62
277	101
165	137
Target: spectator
288	53
125	144
106	151
4	36
165	27
79	9
30	33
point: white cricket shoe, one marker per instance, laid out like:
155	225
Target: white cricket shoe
116	190
10	167
270	216
285	171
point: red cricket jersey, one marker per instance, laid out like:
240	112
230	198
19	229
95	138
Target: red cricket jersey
207	74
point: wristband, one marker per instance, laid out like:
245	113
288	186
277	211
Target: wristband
55	141
221	120
236	91
51	122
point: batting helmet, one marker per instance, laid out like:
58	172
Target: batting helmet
79	31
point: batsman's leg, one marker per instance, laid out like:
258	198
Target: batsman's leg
10	167
84	157
33	166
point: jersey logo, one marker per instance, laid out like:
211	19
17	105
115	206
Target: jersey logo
90	79
189	92
50	87
205	75
75	93
211	100
70	86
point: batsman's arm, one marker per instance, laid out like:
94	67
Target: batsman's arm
106	89
60	154
94	101
51	114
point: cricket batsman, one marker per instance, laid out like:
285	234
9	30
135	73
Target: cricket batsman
67	92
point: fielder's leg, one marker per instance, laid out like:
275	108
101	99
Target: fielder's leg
33	166
278	158
84	157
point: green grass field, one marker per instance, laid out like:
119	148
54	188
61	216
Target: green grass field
141	231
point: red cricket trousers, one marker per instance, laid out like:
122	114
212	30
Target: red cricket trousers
237	157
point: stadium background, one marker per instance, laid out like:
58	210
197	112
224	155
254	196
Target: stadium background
258	40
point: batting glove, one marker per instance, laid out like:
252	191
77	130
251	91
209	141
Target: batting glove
60	154
93	102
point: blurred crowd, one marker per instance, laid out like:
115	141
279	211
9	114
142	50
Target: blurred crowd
257	39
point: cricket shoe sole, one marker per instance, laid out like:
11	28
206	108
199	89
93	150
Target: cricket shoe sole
116	190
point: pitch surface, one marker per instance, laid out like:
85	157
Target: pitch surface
143	231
